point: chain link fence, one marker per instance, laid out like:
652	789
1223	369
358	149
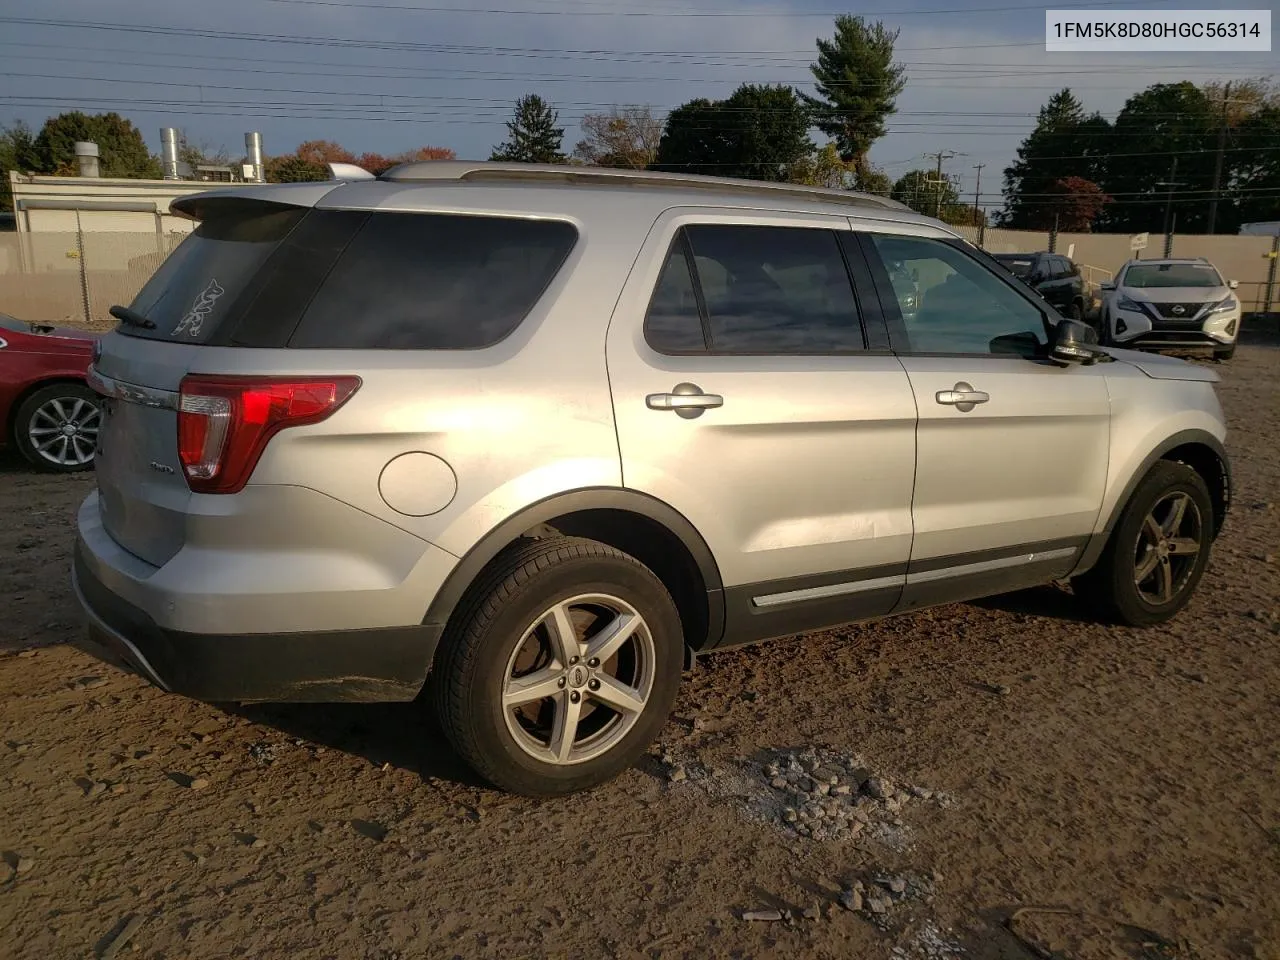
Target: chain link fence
75	277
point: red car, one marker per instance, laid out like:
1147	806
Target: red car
46	409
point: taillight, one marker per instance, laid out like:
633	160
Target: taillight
224	423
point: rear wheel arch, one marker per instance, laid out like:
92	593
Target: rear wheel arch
642	526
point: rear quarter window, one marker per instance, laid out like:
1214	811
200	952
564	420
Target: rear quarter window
411	281
195	291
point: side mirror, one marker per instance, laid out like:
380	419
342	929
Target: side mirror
1074	342
1233	284
1107	286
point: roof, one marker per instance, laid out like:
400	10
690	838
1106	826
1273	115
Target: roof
497	171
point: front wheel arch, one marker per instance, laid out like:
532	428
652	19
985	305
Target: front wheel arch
1199	450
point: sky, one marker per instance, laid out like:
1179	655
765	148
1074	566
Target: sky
389	75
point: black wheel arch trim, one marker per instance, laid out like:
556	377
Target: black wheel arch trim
1098	542
619	499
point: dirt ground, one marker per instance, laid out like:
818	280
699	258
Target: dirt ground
1081	791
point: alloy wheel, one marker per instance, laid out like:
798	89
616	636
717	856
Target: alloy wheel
579	679
64	430
1169	543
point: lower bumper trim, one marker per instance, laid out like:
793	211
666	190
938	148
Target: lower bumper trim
374	665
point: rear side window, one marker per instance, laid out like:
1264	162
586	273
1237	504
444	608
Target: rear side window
434	282
765	290
195	290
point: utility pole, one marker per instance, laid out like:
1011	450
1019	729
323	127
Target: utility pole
938	181
1217	163
1168	205
977	192
1218	160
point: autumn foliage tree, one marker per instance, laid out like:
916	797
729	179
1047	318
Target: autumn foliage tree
626	137
1075	202
309	161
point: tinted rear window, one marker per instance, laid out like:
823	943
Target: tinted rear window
195	290
1018	266
434	282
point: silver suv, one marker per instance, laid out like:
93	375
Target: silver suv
526	440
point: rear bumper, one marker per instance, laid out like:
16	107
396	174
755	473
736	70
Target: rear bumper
380	664
261	621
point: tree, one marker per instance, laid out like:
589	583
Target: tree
626	137
825	168
1254	178
871	180
194	153
17	152
533	136
760	132
291	168
377	164
1162	125
121	150
923	192
858	85
321	152
1076	203
1065	143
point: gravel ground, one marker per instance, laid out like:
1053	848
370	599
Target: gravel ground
1002	780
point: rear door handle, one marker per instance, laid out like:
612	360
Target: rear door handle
962	396
686	399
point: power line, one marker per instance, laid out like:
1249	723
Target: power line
615	12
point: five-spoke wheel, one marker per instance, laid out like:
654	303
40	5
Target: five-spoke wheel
560	667
1158	550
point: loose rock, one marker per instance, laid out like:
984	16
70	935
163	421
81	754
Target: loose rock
24	865
851	900
875	788
762	915
778	783
199	783
677	773
811	913
898	885
878	905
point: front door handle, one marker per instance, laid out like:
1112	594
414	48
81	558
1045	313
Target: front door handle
962	396
686	399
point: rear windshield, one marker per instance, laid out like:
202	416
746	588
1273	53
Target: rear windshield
193	293
1153	275
324	279
1018	266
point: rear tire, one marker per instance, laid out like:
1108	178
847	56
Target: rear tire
1077	312
56	428
1157	552
518	687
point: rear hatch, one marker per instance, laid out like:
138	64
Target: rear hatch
189	305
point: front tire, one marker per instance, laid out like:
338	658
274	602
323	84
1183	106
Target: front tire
1224	353
1157	552
56	428
561	667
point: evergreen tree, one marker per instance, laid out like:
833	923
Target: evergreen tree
1065	143
533	136
122	151
758	133
858	85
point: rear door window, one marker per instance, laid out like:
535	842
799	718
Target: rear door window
764	289
191	296
434	282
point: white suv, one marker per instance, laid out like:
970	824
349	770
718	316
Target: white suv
1171	303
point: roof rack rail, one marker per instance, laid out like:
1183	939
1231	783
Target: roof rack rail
489	170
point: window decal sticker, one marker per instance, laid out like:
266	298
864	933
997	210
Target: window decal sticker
194	320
